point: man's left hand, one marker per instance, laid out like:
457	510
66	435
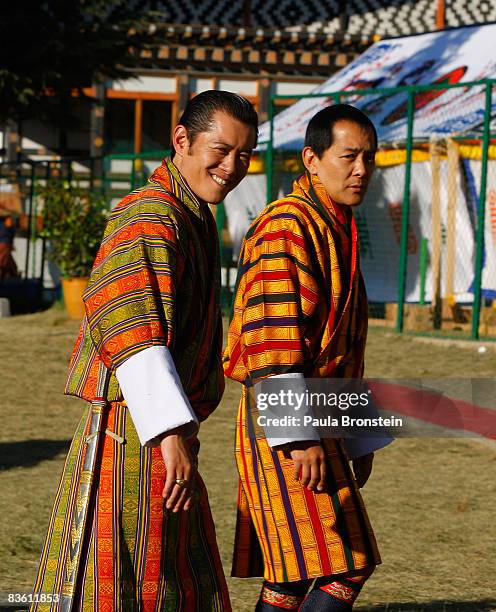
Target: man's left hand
309	460
179	465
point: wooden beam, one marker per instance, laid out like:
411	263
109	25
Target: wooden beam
264	90
138	125
183	93
118	94
440	14
247	13
97	122
453	168
436	233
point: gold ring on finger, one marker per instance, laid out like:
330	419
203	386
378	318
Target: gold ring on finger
181	482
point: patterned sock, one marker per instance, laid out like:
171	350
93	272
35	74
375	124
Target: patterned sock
279	596
332	594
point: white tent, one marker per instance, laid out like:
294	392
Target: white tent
448	56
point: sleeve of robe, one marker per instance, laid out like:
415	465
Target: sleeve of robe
276	295
130	306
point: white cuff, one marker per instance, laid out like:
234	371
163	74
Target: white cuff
309	433
154	395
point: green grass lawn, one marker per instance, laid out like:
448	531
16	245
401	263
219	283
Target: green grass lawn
431	501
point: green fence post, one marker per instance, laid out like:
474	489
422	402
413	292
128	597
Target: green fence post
133	172
144	171
423	268
220	220
405	214
29	232
225	257
269	156
481	216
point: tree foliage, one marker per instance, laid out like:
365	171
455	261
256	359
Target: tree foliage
55	47
73	220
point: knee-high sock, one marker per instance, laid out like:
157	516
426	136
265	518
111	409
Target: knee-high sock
335	593
280	596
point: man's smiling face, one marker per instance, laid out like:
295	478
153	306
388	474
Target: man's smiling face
217	159
346	167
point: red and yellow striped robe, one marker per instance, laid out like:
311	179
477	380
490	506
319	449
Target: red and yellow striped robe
299	306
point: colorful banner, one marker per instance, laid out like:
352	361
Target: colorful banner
448	56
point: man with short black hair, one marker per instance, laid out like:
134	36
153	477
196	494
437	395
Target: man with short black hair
131	526
300	311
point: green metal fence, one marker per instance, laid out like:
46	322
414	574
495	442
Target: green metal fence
123	172
470	310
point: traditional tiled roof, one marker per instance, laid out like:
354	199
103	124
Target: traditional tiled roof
205	35
298	37
251	50
466	12
368	17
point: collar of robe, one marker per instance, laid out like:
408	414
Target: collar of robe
309	187
172	180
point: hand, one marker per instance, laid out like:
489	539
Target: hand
362	466
179	463
309	464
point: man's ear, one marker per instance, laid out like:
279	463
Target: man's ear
180	140
309	158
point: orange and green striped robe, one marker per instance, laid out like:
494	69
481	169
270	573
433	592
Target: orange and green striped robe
299	306
155	281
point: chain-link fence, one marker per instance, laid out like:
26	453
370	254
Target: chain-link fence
428	223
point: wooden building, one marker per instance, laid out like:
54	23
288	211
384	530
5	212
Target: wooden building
257	48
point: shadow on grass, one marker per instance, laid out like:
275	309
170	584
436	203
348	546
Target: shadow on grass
29	452
485	605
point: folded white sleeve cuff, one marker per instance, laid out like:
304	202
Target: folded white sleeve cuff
309	434
154	395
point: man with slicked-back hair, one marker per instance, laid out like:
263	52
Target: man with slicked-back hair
131	527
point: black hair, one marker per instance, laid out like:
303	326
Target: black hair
320	131
198	114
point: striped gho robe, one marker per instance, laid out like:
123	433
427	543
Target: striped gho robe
155	282
299	306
